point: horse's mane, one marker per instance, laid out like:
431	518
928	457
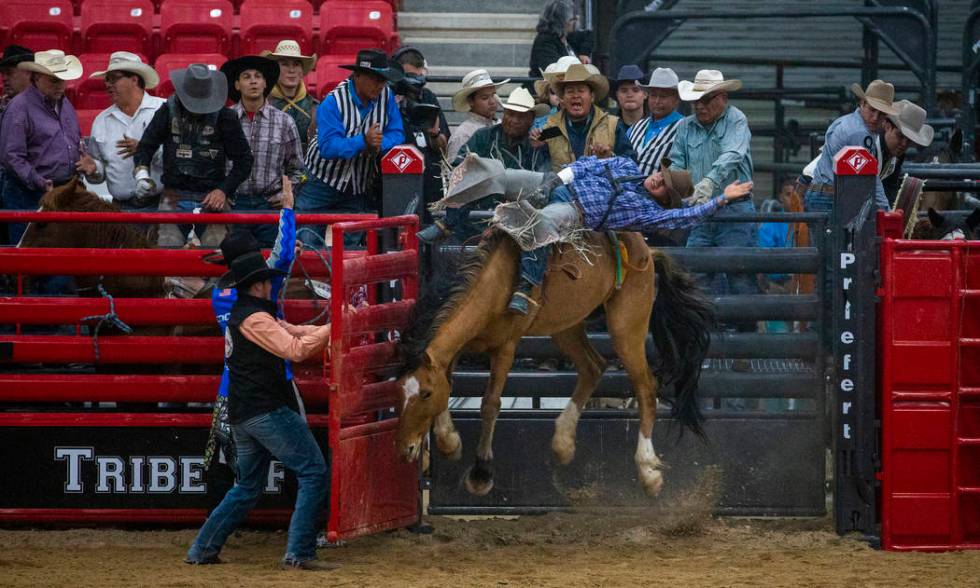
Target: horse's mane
441	299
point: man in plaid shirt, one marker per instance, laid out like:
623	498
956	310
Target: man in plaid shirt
272	135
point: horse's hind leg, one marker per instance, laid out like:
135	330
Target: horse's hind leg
574	344
628	319
479	480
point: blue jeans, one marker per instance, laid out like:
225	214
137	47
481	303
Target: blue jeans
534	263
814	201
264	234
17	196
282	434
318	197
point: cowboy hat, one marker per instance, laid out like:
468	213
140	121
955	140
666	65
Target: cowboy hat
879	95
554	72
233	246
583	74
678	183
289	49
706	82
472	82
199	88
246	269
269	68
520	100
130	62
374	61
629	73
911	121
14	54
54	63
662	77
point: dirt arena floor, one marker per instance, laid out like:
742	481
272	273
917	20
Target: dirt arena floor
586	548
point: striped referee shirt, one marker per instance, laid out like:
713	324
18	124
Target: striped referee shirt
275	144
339	156
652	140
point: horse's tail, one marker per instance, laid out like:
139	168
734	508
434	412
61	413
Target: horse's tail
681	323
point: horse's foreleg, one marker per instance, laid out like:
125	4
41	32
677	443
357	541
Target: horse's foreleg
574	344
479	480
447	437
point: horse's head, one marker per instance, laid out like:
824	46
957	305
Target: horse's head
424	394
946	228
73	197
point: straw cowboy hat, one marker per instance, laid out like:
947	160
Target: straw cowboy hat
911	120
130	62
54	63
472	82
879	95
246	269
234	68
520	100
289	49
706	82
662	77
678	183
200	89
579	73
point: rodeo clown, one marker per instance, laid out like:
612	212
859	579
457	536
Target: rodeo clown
591	193
264	410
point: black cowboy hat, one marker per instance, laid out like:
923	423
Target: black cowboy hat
234	68
14	54
247	269
234	245
374	61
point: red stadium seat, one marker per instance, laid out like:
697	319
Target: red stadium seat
169	62
266	22
38	24
196	26
112	25
329	73
89	93
85	120
347	26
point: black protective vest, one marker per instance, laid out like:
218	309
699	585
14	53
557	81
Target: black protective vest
198	151
257	381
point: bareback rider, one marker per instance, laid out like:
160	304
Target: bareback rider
265	416
199	136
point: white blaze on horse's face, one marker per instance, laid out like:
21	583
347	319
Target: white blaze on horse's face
955	235
410	389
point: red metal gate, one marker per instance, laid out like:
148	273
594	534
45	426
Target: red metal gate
69	462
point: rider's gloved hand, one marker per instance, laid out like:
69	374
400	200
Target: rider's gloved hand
145	186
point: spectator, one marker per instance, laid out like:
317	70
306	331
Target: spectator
425	124
39	142
555	26
355	123
199	136
653	136
478	97
117	131
713	144
901	130
629	95
15	81
272	136
583	128
289	93
544	89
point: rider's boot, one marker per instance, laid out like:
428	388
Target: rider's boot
521	301
433	233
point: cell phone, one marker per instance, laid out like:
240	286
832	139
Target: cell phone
549	133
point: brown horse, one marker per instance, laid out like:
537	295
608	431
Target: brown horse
471	315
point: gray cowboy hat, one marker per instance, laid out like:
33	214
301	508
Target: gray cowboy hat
911	121
234	68
200	89
246	269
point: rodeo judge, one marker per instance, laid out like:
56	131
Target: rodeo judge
265	416
199	136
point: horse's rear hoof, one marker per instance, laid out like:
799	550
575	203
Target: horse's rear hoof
653	482
479	479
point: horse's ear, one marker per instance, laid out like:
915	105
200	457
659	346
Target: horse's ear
974	219
60	198
427	360
935	218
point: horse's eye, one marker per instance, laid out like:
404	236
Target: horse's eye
425	394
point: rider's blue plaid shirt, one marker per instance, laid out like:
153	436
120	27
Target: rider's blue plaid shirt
634	210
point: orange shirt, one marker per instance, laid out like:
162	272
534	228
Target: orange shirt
296	343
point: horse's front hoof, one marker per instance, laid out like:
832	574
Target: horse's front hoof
479	480
452	447
564	448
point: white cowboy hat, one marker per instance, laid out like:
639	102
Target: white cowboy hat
473	81
54	63
880	95
289	49
706	82
130	62
662	77
585	74
911	120
520	100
